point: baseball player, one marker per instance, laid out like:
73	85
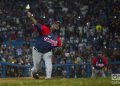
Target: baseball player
47	40
99	65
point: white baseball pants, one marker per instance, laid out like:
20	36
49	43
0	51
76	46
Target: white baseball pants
47	57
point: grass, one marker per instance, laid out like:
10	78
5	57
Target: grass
56	82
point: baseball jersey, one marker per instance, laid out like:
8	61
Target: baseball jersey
47	40
98	62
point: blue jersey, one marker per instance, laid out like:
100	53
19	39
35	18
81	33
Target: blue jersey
47	40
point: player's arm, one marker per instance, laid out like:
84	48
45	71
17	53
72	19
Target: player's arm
105	62
34	21
59	42
31	18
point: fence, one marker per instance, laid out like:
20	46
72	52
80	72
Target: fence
25	69
4	67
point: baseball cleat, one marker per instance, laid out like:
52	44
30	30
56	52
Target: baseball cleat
35	75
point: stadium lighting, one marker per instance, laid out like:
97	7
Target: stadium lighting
115	17
79	17
44	17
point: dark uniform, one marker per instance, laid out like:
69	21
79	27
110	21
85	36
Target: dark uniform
44	44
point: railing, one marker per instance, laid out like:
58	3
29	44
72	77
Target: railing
25	69
88	68
4	67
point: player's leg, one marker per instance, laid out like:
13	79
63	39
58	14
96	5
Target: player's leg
102	73
95	73
36	62
48	64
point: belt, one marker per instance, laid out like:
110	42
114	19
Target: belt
41	51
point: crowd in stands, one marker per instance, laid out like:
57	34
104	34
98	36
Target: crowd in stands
88	26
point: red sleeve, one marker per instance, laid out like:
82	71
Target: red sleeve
59	42
94	60
105	60
44	30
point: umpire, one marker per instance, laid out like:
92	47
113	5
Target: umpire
47	40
